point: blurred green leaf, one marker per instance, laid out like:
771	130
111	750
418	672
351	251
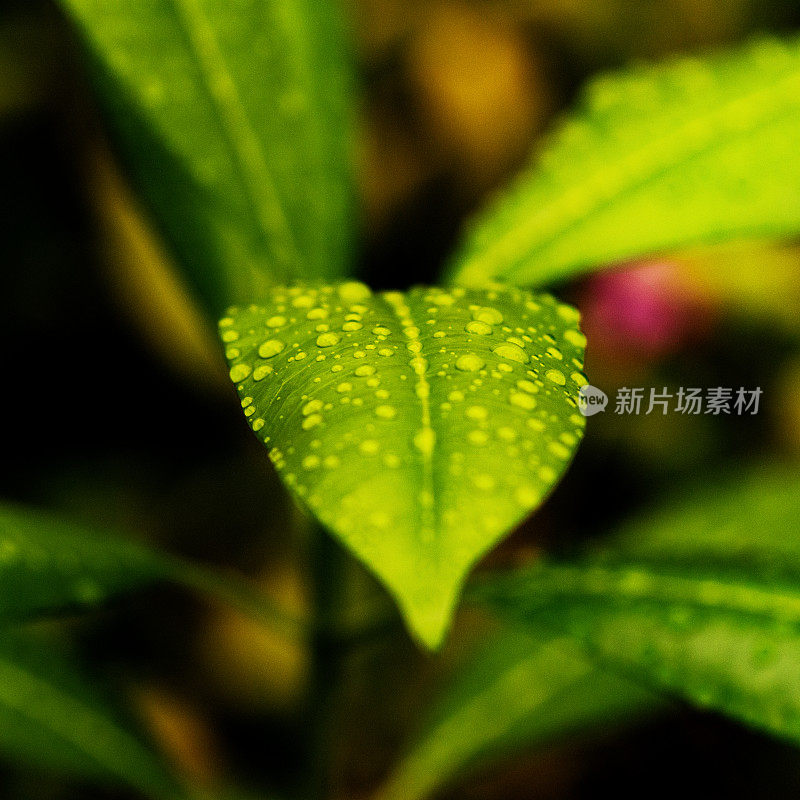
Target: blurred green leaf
748	521
51	717
235	123
703	601
514	692
50	565
692	151
419	427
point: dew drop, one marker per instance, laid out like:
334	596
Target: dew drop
491	316
380	330
575	337
364	371
276	322
476	413
369	447
479	328
386	412
522	400
425	440
271	348
526	496
484	482
470	362
311	422
327	339
311	406
568	313
303	301
259	373
352	325
558	450
512	352
556	376
579	378
478	437
354	291
547	474
239	372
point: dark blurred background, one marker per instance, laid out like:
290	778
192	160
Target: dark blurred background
120	413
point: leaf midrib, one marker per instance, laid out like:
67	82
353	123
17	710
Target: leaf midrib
503	248
429	513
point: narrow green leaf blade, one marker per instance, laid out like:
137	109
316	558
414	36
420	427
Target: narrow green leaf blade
49	564
51	717
514	692
654	158
235	123
719	640
748	522
419	427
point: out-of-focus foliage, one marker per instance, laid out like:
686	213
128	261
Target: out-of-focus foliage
698	150
516	691
419	427
703	602
48	565
235	123
53	717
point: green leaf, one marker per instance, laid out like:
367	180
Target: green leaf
657	157
235	123
748	522
50	565
514	692
723	636
420	427
50	717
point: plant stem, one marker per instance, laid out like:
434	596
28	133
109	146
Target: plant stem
328	568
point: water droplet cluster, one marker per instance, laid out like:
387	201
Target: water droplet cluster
434	417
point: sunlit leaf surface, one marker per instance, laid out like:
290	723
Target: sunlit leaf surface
234	120
703	602
419	427
695	150
52	718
